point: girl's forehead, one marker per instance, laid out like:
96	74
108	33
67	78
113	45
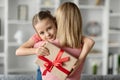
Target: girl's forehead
44	23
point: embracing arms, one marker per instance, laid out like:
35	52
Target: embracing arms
88	44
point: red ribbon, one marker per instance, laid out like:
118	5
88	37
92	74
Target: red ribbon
57	63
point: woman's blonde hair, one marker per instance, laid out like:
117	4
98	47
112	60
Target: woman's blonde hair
69	25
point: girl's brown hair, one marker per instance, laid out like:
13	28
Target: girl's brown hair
41	16
69	25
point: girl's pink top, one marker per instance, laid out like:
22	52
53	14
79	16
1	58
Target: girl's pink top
73	51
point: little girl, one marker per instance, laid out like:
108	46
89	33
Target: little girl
45	26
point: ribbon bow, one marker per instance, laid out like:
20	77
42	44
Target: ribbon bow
58	62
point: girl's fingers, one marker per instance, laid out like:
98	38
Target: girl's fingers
44	51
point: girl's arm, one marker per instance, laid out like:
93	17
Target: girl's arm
27	48
87	46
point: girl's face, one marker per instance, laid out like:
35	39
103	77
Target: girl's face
46	29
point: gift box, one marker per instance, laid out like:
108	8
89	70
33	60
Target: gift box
59	62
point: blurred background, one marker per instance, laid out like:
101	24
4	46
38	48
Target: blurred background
101	21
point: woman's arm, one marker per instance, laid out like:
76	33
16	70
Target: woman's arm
88	44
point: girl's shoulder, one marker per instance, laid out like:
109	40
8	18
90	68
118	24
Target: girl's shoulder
36	37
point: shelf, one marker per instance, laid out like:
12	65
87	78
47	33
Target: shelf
95	55
91	7
114	31
114	14
114	45
19	22
21	70
12	44
43	6
1	61
97	38
1	37
2	54
2	6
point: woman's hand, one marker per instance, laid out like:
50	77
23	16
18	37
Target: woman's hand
75	67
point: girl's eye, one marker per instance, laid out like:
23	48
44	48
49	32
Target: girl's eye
49	28
41	33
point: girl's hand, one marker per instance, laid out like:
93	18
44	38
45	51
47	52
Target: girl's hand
42	51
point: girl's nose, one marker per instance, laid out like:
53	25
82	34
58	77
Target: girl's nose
47	34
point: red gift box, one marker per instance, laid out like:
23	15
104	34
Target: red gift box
59	62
